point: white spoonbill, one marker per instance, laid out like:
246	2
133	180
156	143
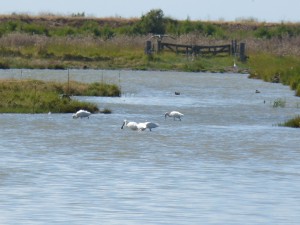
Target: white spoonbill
147	125
234	64
81	113
174	114
131	125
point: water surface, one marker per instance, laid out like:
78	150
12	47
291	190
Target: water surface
226	162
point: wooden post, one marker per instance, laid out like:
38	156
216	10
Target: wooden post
159	46
233	47
243	56
68	91
148	48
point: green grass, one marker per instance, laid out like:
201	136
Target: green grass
34	96
171	61
294	122
272	68
85	52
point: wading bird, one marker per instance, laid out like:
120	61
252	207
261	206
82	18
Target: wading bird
174	114
131	125
81	113
147	125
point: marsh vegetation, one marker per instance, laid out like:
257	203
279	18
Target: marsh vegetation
36	96
56	42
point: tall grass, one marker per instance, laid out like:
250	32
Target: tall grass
27	51
272	68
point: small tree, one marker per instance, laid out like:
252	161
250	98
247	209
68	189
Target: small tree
153	22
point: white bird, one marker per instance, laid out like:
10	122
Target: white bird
147	125
234	65
131	125
174	114
81	113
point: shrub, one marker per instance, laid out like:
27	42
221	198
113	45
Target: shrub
152	22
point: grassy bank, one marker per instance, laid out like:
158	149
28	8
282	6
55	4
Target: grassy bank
35	96
277	69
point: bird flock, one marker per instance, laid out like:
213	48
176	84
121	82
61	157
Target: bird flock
150	125
131	124
139	126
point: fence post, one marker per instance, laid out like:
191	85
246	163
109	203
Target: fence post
148	50
243	56
233	47
159	46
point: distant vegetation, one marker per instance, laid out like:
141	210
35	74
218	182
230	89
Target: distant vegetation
154	22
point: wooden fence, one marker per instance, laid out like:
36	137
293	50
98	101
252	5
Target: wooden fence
198	50
195	49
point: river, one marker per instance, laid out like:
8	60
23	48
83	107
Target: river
226	162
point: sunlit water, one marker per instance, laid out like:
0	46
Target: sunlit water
226	162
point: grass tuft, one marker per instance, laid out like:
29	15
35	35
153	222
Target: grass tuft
294	122
279	103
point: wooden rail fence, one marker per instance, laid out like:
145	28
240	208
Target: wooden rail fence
198	50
